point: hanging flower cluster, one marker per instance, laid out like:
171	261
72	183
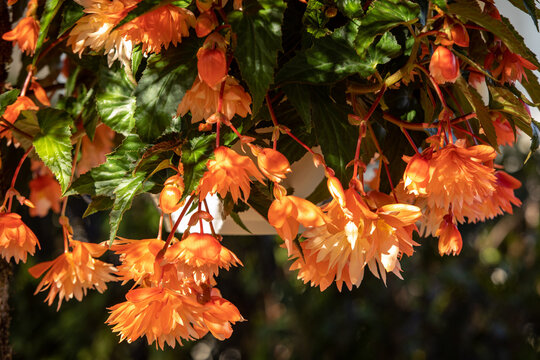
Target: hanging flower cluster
194	78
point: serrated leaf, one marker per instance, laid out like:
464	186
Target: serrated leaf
382	16
482	112
29	124
333	58
125	192
332	129
49	12
315	18
259	41
98	203
469	10
296	94
116	111
53	143
8	98
532	86
529	7
350	8
164	82
71	14
104	179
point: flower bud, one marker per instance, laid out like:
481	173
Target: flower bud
444	66
273	164
206	23
169	199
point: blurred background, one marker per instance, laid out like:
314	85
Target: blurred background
482	304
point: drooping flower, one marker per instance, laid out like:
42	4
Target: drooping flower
39	92
455	32
506	64
45	194
74	272
218	314
444	66
354	238
450	241
206	23
416	175
201	256
161	314
25	35
159	28
288	212
171	194
211	60
273	164
93	151
202	100
503	129
229	172
16	239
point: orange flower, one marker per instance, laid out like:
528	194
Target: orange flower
510	66
16	239
159	28
74	272
287	213
25	35
206	23
416	175
273	164
45	194
218	314
202	100
456	34
12	112
228	172
355	237
449	237
444	66
503	129
161	314
93	151
200	256
211	60
39	92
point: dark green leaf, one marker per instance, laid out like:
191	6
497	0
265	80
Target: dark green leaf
320	193
529	7
8	98
505	101
382	16
98	203
116	111
71	14
482	112
350	8
259	41
239	221
315	18
53	143
535	139
104	179
29	124
532	86
164	82
296	94
195	154
333	133
51	8
136	58
440	3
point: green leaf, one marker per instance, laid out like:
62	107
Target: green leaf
195	154
53	143
333	58
49	12
8	98
164	82
71	14
315	18
440	3
382	16
350	8
532	86
239	221
104	179
482	112
469	10
259	41
333	132
116	111
301	101
125	192
98	203
29	124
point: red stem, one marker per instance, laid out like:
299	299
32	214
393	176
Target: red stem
177	223
410	140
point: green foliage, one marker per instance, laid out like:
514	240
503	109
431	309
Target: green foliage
164	82
71	14
51	8
259	41
53	143
8	98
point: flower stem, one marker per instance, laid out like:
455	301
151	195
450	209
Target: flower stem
177	223
14	179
